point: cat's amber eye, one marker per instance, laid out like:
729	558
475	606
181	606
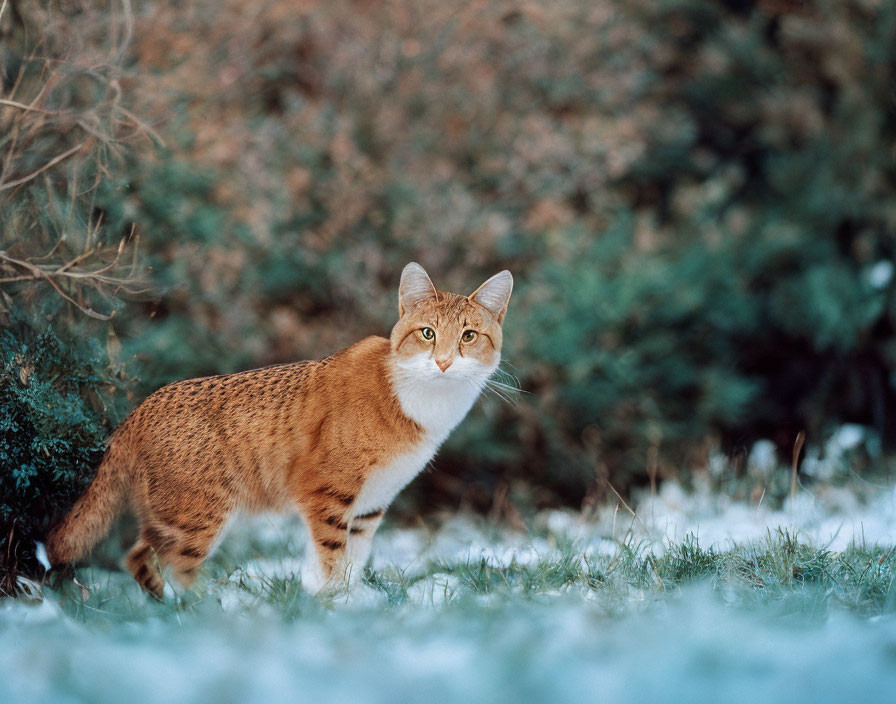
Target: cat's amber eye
428	333
468	336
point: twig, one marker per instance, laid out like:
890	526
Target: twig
797	448
141	124
95	278
630	510
38	272
87	311
48	165
68	265
23	106
128	28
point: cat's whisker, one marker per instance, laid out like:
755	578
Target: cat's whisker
509	387
502	397
504	379
489	388
502	370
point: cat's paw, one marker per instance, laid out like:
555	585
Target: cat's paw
313	579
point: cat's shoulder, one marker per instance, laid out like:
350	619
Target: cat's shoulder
369	349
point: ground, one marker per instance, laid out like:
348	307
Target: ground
696	598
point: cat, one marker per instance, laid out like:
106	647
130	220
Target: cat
335	440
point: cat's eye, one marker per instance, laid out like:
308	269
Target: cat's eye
428	333
468	336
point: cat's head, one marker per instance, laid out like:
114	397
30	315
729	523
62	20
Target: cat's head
442	335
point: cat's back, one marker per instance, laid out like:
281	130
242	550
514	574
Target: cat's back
352	384
239	394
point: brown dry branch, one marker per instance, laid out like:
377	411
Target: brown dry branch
66	128
23	106
50	164
71	273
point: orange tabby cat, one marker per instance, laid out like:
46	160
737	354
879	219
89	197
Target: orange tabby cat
335	440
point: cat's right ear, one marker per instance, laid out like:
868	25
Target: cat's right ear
494	294
415	287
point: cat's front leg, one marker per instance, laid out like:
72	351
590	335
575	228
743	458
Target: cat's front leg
361	530
339	550
326	554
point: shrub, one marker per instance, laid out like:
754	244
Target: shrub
65	264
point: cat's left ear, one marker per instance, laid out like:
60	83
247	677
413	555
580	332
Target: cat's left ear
494	294
415	287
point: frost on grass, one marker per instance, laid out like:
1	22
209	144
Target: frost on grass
834	518
696	598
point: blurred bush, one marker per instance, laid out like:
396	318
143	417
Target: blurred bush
697	201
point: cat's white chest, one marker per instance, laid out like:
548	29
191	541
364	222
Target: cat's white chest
437	414
385	482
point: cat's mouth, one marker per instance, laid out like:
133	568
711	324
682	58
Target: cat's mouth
459	375
459	371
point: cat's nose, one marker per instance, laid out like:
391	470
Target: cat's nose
443	364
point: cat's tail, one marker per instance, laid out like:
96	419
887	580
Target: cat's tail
92	514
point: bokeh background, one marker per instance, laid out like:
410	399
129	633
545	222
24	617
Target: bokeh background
697	201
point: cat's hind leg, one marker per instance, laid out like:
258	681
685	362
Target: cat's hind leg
183	548
193	542
143	562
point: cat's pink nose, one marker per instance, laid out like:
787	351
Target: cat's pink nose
443	363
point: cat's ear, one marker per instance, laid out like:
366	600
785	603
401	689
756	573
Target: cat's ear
494	294
415	287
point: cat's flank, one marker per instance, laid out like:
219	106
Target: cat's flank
335	440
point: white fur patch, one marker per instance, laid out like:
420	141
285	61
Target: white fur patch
438	400
384	483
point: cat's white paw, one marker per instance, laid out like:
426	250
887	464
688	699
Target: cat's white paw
313	579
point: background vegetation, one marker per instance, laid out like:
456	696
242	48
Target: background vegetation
697	200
